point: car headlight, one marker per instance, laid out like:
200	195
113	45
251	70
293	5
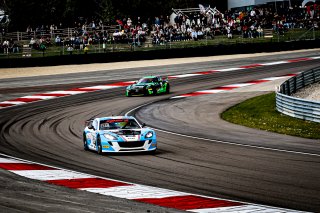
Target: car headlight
149	134
109	137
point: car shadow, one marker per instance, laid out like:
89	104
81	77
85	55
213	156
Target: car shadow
158	152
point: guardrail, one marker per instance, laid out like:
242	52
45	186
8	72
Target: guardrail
297	107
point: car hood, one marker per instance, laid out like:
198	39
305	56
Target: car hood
124	131
140	85
137	131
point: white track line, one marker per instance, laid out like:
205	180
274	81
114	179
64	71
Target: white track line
226	142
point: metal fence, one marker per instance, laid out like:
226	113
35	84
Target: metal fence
63	32
297	107
145	42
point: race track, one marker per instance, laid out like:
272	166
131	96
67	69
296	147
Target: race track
221	159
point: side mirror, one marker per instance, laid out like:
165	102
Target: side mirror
135	82
91	127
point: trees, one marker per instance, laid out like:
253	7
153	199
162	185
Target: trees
35	13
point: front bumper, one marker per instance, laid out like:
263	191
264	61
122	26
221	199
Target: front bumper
132	146
139	91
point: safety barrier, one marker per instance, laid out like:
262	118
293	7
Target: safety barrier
297	107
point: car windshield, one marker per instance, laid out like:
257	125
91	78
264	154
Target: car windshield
118	124
145	80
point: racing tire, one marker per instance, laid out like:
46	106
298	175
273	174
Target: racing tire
168	89
154	91
129	94
145	91
99	151
85	145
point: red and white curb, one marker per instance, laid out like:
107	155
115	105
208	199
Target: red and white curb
63	93
231	87
136	192
75	91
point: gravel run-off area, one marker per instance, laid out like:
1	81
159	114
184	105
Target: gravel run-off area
310	92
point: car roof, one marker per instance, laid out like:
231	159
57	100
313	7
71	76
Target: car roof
115	117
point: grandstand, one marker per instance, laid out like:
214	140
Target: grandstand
203	25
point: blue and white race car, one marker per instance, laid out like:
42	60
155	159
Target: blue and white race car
118	134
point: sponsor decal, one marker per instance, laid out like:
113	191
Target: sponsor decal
115	120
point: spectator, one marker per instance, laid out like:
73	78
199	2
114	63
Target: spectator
5	45
229	32
93	25
58	40
86	49
139	22
90	40
11	43
32	43
104	47
157	21
253	13
194	35
70	49
48	42
129	22
15	47
29	30
260	31
52	30
42	47
200	34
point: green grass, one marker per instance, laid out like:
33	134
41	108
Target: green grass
260	113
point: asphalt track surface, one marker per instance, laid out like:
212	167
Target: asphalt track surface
50	132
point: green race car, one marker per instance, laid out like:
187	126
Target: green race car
149	85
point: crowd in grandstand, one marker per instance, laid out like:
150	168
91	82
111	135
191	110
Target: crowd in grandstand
185	26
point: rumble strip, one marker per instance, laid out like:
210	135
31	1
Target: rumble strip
136	192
